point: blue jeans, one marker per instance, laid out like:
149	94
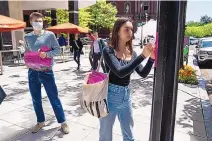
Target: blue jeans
36	78
119	103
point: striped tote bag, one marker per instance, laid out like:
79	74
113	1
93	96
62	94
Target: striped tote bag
94	95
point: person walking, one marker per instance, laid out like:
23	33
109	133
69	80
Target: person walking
185	54
77	49
33	42
62	40
121	61
92	38
96	50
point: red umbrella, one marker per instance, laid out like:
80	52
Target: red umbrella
67	28
9	24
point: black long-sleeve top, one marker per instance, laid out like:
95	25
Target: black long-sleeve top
121	70
75	47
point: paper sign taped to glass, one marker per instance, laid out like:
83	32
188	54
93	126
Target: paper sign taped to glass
156	50
33	60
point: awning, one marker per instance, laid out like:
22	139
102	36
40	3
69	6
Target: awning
9	24
67	28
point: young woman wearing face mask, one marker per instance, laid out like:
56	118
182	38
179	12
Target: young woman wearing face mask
121	61
34	41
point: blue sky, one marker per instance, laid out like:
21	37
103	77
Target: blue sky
196	9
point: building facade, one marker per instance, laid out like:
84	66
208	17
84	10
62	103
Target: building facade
138	11
21	10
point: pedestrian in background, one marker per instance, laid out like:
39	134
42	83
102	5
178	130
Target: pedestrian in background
77	49
62	40
96	50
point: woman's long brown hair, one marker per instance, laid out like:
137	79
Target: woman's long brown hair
115	37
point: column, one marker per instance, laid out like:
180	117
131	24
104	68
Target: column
16	12
166	73
4	10
73	14
53	17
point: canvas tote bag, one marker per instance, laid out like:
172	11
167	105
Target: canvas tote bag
94	93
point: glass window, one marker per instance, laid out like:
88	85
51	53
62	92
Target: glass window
206	44
127	8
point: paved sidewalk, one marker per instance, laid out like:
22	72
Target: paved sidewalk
17	115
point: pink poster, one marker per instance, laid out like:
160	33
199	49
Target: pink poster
156	50
33	60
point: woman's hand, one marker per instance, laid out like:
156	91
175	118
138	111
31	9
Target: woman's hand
148	50
43	55
152	55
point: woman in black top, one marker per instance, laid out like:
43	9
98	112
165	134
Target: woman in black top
77	49
121	61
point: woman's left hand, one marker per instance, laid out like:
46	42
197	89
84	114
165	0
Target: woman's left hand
152	56
43	55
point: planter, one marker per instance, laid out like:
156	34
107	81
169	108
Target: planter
187	75
191	85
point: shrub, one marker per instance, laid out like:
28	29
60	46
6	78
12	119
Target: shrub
199	31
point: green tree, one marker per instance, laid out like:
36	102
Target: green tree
205	19
84	17
192	23
102	15
199	31
99	15
62	16
48	18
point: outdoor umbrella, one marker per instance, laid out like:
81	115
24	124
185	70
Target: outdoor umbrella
67	28
9	24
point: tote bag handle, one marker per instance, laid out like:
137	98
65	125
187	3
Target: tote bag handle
99	63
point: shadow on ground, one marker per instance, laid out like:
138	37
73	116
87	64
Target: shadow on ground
142	90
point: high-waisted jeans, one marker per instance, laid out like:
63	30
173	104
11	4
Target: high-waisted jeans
119	103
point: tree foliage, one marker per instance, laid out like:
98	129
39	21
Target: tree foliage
84	17
97	16
102	15
62	16
199	31
205	19
192	23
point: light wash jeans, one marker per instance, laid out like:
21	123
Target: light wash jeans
119	103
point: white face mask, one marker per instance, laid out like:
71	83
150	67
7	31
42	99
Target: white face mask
37	25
